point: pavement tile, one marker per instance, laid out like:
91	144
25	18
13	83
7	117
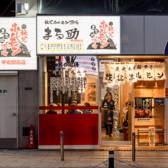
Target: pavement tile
106	153
157	160
5	164
97	156
83	164
78	153
161	165
97	160
84	161
58	164
86	157
87	153
54	153
145	161
15	164
148	164
165	160
136	163
98	153
69	165
79	159
30	164
122	165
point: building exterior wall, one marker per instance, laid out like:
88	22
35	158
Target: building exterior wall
140	35
144	35
27	105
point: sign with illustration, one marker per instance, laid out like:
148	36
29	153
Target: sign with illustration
78	35
88	63
143	109
18	44
122	73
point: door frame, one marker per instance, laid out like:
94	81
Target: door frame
112	143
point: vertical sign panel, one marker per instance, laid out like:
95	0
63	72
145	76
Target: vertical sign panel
18	44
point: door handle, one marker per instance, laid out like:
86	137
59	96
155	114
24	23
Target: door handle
13	114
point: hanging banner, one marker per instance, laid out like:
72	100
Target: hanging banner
18	44
102	65
160	71
108	73
135	72
139	71
149	71
120	71
88	63
91	35
130	73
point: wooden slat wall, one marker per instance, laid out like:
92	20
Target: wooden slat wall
150	89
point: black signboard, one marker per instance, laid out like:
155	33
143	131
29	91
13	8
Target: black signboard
159	101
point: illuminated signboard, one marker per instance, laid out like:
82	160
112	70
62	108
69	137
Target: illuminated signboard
78	35
18	44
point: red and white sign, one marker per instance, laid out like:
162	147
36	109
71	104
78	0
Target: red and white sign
18	44
31	143
89	64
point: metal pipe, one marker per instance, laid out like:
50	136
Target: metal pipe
111	159
133	146
62	145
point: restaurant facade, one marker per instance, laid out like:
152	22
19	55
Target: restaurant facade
103	74
133	75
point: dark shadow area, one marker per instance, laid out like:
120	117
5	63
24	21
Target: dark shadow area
103	7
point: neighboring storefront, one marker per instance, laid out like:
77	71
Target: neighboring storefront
135	83
17	58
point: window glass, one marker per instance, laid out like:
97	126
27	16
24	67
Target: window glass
72	82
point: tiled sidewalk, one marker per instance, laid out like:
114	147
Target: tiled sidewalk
34	158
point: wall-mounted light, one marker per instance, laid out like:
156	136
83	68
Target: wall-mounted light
26	7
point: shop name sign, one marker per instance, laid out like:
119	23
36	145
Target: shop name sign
18	44
121	73
59	35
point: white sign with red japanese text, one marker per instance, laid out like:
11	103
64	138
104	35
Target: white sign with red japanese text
78	35
18	44
88	63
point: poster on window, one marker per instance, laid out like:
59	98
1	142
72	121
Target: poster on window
88	63
143	109
18	44
78	35
90	93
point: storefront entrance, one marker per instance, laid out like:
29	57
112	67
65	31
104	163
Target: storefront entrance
120	129
132	100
